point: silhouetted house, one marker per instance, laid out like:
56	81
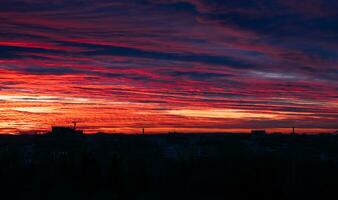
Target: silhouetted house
258	132
65	131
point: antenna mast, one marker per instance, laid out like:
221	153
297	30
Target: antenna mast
74	122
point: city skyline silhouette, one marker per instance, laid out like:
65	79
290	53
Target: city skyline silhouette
168	99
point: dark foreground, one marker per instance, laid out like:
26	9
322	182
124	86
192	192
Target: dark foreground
169	167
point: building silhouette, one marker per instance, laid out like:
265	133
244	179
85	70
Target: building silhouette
258	132
65	131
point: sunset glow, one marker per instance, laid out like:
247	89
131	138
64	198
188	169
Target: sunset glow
169	65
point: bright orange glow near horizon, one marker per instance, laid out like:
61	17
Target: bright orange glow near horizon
25	113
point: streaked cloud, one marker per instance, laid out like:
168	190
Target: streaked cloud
184	64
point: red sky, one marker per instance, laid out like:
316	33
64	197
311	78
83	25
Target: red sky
168	65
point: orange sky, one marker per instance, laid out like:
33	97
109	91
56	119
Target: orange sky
184	65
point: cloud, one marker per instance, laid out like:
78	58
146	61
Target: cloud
168	63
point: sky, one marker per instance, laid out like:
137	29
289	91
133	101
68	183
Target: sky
169	65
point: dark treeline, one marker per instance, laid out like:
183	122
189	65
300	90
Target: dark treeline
169	167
